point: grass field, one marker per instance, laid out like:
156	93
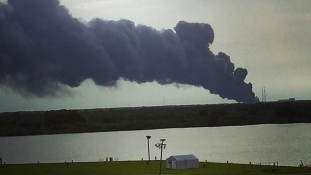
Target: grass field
141	168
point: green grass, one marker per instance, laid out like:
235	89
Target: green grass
140	168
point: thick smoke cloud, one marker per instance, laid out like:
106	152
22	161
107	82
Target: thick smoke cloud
43	47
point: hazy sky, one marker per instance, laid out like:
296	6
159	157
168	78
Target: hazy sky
270	38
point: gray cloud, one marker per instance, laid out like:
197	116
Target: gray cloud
42	47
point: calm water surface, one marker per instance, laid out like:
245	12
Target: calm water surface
286	144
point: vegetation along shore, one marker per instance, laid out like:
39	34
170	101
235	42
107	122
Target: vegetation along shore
157	117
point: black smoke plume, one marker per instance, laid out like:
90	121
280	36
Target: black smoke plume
43	47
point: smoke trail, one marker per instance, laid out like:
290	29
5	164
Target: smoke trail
43	47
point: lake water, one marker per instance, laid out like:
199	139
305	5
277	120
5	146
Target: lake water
286	144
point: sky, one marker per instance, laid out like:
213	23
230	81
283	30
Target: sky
269	38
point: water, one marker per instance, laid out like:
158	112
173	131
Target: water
286	144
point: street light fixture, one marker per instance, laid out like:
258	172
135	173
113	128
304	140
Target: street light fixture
161	146
148	138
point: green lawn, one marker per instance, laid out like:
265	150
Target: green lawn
140	168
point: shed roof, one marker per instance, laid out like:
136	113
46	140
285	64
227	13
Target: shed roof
184	157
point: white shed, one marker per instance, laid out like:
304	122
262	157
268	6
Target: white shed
182	162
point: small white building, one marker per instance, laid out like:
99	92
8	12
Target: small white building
182	162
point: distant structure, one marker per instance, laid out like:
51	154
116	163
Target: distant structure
109	159
287	100
263	95
182	162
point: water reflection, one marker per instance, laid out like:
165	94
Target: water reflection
286	144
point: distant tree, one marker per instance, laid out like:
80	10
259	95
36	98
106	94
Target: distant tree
203	113
172	114
131	119
253	112
213	118
64	117
213	121
218	113
108	119
287	110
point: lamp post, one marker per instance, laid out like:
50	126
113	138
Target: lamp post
148	138
161	146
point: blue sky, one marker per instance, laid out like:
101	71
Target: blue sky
270	38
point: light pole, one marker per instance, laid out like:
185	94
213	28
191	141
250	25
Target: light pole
148	138
161	146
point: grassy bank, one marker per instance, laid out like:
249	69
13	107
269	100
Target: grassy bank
141	168
141	118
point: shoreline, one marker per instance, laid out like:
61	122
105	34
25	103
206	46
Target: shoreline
149	118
